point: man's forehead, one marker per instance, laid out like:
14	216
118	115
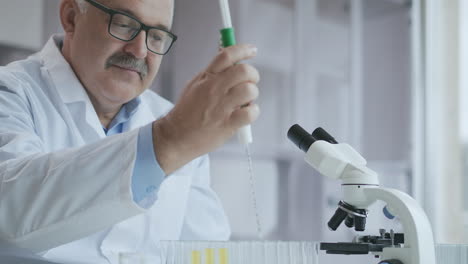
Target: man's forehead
150	12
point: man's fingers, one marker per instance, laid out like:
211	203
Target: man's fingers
242	94
245	115
237	74
230	56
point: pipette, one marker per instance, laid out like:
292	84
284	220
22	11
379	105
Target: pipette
244	133
228	39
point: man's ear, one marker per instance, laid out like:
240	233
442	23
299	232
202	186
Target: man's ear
68	13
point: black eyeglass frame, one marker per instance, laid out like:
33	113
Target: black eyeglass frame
144	27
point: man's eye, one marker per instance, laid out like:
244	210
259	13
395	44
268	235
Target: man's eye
156	38
122	25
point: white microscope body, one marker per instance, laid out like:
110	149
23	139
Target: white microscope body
361	189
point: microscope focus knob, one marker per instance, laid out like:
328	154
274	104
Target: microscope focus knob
391	261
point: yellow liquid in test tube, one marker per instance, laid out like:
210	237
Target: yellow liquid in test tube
196	257
209	256
223	256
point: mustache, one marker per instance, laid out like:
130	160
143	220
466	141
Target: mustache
129	62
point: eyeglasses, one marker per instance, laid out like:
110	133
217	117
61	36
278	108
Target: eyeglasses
124	27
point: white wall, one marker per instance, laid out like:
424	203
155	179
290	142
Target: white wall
387	85
443	185
22	23
26	26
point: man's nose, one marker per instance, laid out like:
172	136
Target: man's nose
137	46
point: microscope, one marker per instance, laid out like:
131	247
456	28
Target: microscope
361	189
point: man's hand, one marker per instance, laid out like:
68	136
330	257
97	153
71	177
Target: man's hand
212	107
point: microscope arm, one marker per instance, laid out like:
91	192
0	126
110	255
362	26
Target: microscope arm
419	243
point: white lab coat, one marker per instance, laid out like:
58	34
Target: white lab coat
65	186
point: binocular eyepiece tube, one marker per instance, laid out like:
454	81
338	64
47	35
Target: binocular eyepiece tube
303	140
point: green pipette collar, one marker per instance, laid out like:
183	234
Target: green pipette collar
227	37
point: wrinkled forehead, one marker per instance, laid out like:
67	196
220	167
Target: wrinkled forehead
150	12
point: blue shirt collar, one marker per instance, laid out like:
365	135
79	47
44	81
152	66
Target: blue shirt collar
123	116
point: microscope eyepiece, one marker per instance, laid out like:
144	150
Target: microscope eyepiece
320	134
300	137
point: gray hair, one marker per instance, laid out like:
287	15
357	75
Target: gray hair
82	5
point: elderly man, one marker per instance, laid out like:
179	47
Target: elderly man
92	163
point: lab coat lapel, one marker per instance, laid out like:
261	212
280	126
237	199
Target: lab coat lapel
71	92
